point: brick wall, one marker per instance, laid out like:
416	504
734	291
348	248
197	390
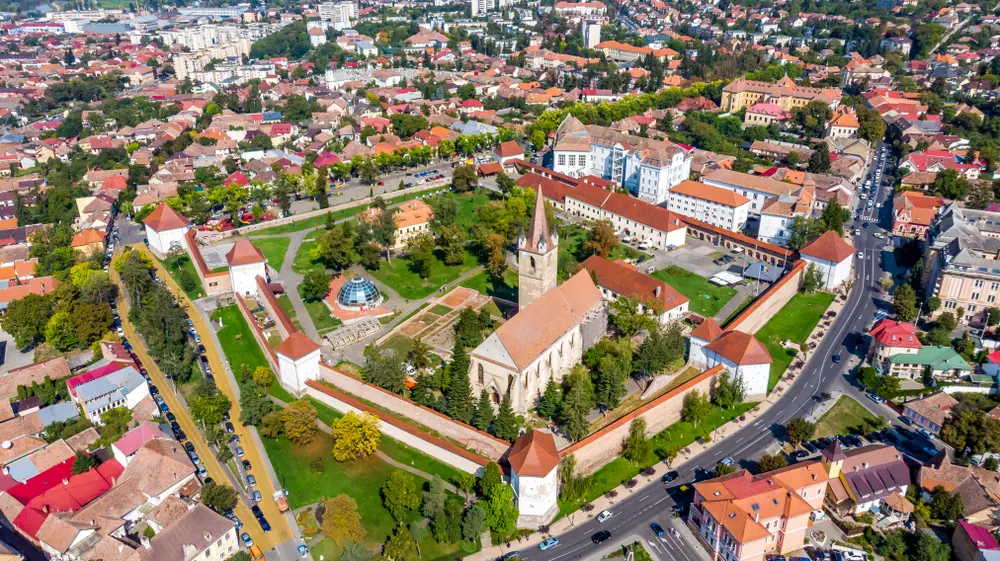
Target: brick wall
768	304
470	437
605	445
258	335
429	444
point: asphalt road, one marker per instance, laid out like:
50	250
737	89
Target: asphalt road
653	504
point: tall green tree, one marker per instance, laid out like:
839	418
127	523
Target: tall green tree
400	495
483	418
459	391
506	426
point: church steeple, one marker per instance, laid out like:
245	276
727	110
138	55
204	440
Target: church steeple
537	256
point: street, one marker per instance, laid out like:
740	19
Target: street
653	504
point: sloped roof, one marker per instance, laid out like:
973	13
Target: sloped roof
740	348
708	330
164	218
244	252
627	281
296	346
533	455
828	247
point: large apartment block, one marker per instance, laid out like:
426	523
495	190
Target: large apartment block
784	93
962	264
714	205
647	168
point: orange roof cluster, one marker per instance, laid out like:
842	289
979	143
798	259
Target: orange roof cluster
709	193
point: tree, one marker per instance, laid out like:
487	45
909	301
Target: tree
496	254
578	402
459	392
421	251
799	430
992	316
946	505
299	419
335	247
695	407
600	240
209	408
611	365
505	426
473	523
115	423
662	347
905	303
484	412
355	435
819	161
464	178
254	405
490	479
501	512
886	283
354	551
769	462
811	280
315	286
83	462
728	391
400	546
59	331
723	469
263	377
630	315
637	446
947	322
400	495
991	463
834	216
551	401
271	425
951	184
434	498
25	319
930	548
219	498
385	370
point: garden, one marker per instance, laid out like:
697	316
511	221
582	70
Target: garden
793	323
274	250
845	416
181	268
705	298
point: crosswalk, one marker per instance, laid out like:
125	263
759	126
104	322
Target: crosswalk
867	219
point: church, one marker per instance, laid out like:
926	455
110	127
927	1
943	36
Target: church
554	325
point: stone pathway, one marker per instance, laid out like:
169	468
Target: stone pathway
742	291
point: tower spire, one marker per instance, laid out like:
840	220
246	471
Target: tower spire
539	236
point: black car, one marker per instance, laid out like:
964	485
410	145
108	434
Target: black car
189	447
601	536
891	436
180	435
229	428
509	555
171	417
809	447
800	454
174	426
264	525
668	477
246	465
257	512
201	349
153	390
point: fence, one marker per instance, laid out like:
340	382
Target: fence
598	449
467	435
429	444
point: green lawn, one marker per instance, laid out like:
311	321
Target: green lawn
675	437
237	340
274	250
706	299
400	345
504	287
845	415
794	322
319	314
468	203
399	276
739	309
571	238
341	214
302	263
440	309
174	265
286	304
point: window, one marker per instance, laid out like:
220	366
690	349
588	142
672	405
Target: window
482	376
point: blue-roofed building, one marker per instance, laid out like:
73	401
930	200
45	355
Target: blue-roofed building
122	388
271	117
473	127
58	413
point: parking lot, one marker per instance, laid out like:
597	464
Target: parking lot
699	257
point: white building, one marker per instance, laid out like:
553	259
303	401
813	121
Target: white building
759	190
508	151
339	15
714	205
165	229
776	218
739	353
246	263
121	388
591	32
482	7
317	36
535	478
616	280
832	256
298	361
655	225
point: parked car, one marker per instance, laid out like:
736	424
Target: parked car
509	555
256	497
239	451
601	536
727	461
257	512
604	516
229	428
246	465
247	541
264	524
548	544
251	481
800	454
303	551
926	434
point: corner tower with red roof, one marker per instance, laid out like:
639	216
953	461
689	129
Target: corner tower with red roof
165	229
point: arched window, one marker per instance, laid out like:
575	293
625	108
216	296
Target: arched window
532	263
481	374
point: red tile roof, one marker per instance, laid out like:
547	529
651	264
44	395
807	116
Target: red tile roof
164	218
244	252
621	279
740	348
828	247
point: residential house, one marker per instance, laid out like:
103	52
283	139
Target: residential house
616	279
930	412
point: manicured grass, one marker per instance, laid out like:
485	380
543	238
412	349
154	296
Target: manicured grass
400	345
794	322
174	265
571	240
400	277
706	299
675	437
845	415
286	304
468	203
319	314
274	250
341	214
440	309
504	287
237	340
417	459
302	263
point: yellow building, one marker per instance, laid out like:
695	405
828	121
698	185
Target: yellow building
411	218
784	93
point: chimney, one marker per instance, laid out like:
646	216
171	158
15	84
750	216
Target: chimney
657	291
145	542
208	537
865	465
756	517
65	481
45	509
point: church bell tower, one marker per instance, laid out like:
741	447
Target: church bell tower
537	256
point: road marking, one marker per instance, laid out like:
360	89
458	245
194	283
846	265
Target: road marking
643	498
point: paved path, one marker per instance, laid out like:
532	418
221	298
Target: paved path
742	291
281	530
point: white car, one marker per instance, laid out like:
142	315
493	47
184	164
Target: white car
861	255
604	516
